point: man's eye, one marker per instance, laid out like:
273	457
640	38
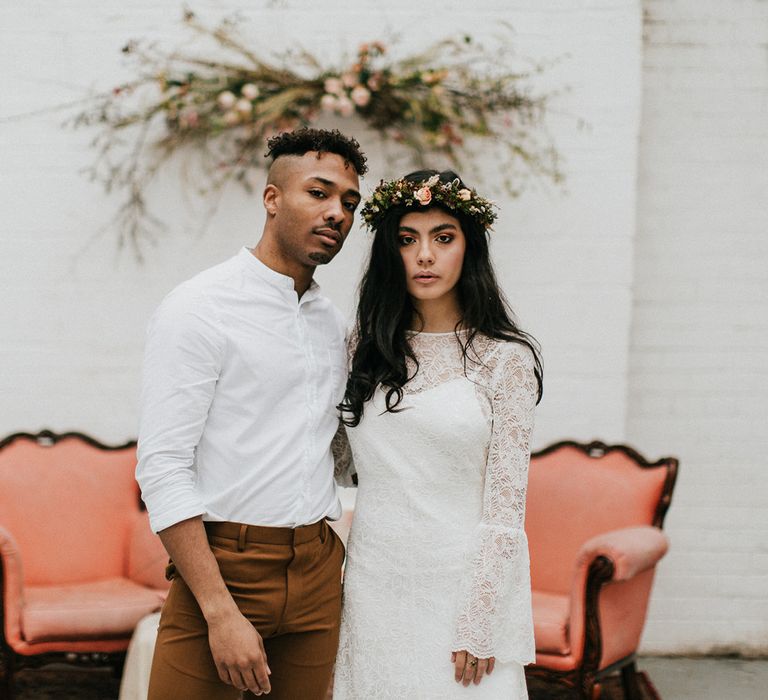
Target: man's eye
350	206
317	193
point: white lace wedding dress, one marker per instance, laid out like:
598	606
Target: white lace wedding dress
437	556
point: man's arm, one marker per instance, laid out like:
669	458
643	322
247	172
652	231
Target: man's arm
237	648
182	364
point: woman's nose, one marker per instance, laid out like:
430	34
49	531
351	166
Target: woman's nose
425	256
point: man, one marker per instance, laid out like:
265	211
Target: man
244	366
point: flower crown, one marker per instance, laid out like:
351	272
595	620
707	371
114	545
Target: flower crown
451	195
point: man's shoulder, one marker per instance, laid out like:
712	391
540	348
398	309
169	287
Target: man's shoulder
197	294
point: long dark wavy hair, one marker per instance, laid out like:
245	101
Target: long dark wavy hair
385	311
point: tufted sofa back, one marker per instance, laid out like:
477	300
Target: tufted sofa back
69	505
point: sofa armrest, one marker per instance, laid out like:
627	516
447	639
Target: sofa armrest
632	550
13	587
147	558
624	560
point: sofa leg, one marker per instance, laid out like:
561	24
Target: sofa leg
629	682
6	686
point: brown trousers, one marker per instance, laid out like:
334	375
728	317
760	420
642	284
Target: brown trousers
287	582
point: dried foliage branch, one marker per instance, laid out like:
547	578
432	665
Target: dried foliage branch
437	104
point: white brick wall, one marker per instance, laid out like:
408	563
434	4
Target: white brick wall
698	381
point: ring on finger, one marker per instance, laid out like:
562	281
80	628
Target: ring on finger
472	662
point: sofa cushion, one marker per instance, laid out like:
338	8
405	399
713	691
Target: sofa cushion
550	622
96	610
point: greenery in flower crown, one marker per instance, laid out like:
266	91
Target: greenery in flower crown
224	107
408	194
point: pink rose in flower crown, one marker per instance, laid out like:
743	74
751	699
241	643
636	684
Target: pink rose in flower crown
423	196
360	95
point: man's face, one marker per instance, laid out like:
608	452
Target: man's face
311	201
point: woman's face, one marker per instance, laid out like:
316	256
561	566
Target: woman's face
432	246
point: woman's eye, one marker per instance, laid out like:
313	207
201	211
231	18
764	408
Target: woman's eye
406	240
444	238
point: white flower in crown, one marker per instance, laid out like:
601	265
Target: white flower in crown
432	181
465	195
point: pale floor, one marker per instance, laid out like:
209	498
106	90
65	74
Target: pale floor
707	678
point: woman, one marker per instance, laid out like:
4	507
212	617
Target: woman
439	410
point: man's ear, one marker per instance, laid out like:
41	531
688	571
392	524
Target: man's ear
270	199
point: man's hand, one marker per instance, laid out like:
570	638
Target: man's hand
237	649
467	669
238	653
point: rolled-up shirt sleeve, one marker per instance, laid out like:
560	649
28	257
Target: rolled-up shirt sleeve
182	362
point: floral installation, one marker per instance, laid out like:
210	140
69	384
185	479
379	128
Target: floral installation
222	108
452	194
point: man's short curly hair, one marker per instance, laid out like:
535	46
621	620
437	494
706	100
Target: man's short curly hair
301	141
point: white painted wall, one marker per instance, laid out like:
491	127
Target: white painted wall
73	312
698	381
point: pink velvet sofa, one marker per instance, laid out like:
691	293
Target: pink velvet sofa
594	517
80	565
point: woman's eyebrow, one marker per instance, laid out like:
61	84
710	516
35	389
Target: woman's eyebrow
436	229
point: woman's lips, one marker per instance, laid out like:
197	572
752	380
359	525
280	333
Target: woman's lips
425	279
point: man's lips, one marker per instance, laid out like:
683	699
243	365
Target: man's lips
329	236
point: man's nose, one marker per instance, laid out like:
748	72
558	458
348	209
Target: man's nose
334	211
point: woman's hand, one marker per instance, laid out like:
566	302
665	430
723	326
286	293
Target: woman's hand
468	669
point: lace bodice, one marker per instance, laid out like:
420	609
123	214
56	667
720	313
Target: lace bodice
492	610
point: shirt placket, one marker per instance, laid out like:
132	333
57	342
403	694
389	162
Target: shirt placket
311	408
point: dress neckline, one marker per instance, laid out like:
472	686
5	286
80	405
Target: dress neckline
435	334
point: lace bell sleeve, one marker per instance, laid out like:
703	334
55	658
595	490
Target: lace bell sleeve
494	616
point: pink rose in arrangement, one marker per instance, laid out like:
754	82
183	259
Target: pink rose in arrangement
249	91
374	82
244	107
189	120
226	99
328	103
349	79
231	118
345	107
334	86
360	96
423	196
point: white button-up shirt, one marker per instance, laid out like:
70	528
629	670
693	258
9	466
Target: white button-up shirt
238	408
